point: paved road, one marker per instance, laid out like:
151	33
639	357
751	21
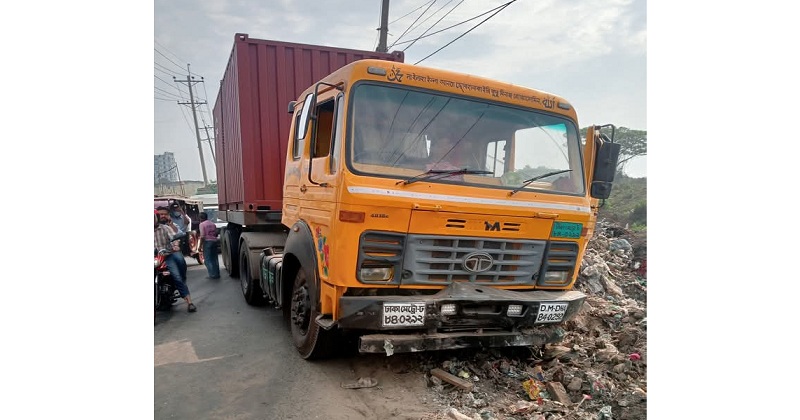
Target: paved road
230	360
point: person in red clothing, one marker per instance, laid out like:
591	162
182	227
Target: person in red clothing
210	245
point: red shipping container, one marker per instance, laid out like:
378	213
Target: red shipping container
251	119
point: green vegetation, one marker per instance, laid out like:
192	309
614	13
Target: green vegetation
628	202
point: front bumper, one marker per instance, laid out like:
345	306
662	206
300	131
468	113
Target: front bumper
481	319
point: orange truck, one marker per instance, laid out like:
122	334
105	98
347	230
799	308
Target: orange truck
414	208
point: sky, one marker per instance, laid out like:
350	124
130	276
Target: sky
547	45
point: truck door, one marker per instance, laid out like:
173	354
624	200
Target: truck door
320	173
294	179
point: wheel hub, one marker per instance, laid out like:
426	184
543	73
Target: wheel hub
300	307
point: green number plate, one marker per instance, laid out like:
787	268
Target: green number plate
566	230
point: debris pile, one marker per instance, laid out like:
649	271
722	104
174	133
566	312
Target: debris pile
598	371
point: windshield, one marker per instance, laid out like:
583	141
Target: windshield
401	133
212	214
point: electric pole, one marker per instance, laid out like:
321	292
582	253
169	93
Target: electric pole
189	82
210	146
384	27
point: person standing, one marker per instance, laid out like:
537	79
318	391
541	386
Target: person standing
164	231
210	244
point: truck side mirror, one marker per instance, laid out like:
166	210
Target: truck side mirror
291	106
605	167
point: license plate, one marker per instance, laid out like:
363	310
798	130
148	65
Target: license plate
566	230
551	312
403	314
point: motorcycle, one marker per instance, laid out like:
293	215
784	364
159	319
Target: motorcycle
165	291
164	287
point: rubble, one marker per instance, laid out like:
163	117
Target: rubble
597	371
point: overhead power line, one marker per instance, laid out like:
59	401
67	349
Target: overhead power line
435	23
168	59
167	50
412	24
167	93
411	12
415	26
176	88
470	30
183	112
458	24
164	70
210	115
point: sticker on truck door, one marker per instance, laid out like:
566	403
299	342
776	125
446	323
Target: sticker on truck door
410	314
551	312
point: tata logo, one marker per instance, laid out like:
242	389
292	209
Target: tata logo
492	226
497	226
478	262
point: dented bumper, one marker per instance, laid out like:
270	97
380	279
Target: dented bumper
478	316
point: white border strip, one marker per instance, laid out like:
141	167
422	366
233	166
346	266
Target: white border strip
462	199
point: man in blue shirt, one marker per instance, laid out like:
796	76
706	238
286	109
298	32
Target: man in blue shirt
179	217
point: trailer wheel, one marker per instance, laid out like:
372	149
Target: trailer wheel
311	341
230	252
250	289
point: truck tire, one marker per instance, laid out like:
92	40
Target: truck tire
230	252
250	288
311	341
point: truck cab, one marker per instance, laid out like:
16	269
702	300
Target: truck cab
434	210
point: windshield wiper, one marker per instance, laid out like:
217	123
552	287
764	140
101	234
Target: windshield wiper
536	178
439	173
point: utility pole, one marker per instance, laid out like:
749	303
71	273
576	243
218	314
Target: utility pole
210	146
384	27
189	82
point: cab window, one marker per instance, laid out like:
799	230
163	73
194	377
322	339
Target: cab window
301	128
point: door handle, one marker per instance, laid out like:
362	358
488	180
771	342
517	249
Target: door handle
434	207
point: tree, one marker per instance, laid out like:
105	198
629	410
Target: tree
632	143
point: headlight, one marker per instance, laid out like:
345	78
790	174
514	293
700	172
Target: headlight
377	274
556	276
155	262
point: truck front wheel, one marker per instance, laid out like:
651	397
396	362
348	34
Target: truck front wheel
311	341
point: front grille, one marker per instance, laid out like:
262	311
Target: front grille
439	260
